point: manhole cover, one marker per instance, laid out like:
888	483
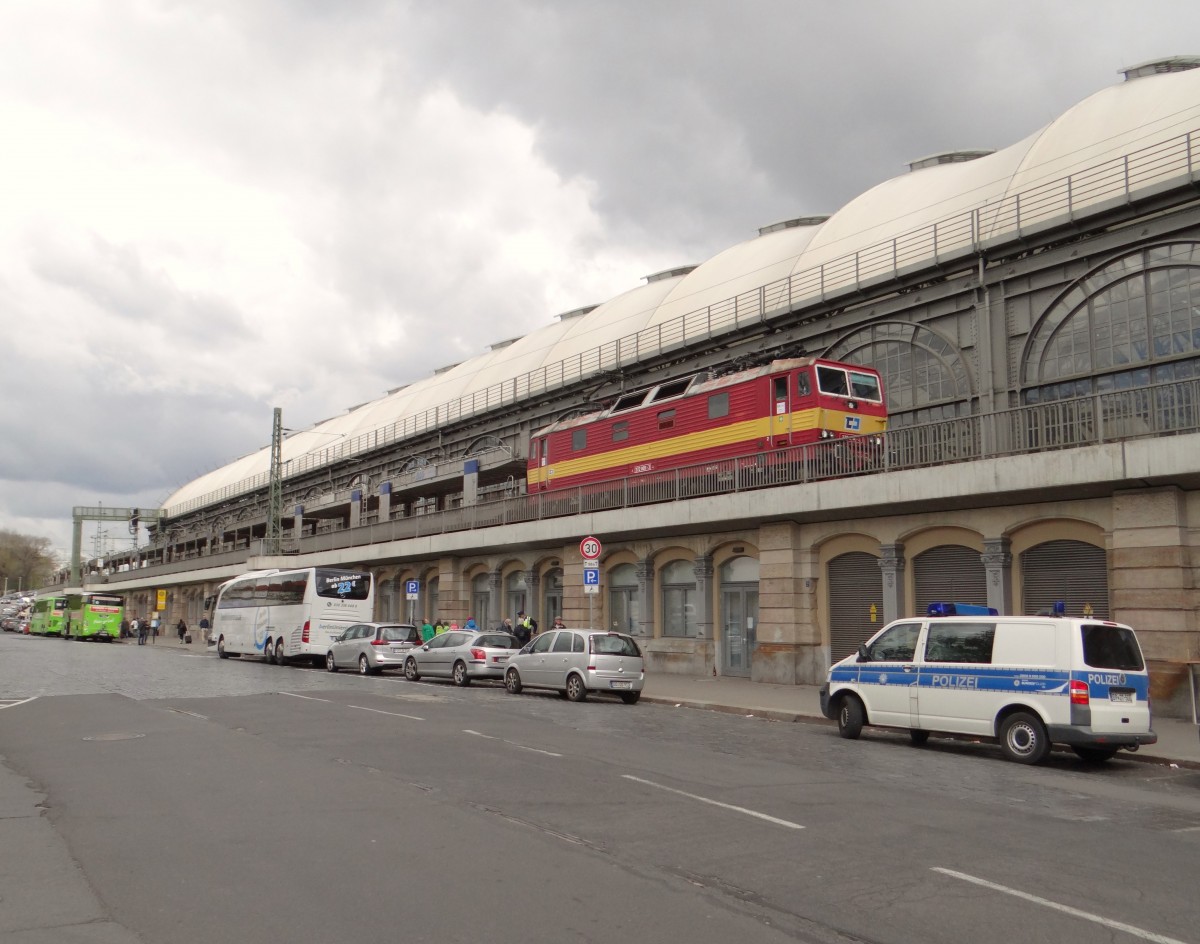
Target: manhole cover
113	737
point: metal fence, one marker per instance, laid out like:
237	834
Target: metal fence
1159	167
1145	412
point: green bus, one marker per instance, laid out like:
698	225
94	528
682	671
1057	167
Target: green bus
48	615
94	616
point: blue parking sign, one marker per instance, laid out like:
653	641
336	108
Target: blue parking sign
591	577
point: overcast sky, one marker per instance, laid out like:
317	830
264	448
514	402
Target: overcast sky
212	208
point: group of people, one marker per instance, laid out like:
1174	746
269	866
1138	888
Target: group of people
524	628
145	629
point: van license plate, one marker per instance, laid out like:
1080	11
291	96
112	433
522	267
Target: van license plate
1120	696
622	684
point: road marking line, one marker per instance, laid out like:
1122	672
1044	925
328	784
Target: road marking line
1066	909
306	697
492	737
724	806
394	714
23	701
1187	829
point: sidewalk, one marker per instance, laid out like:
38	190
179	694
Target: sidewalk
1178	741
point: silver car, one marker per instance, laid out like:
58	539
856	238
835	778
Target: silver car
578	661
461	656
372	647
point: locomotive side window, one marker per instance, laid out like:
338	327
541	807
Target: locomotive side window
533	449
579	440
620	431
803	387
865	386
718	405
666	419
832	380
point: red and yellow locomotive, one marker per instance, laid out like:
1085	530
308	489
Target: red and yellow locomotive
700	419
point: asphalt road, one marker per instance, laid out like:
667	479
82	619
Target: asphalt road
167	796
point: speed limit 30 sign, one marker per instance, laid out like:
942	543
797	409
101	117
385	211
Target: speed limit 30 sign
590	548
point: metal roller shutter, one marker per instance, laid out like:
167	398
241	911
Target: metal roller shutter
950	573
855	583
1071	571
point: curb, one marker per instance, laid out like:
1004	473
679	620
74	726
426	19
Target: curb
768	714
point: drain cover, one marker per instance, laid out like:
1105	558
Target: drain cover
113	737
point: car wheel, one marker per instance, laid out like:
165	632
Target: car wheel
364	665
851	718
461	679
1023	738
512	682
280	659
630	698
1094	755
918	736
221	653
330	664
576	690
410	670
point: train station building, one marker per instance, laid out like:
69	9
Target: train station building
1034	313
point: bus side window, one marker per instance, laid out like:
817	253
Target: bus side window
803	387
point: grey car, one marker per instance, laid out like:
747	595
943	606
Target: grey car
578	661
372	647
461	656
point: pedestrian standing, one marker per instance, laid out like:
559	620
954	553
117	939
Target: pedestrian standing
204	627
181	629
124	628
139	628
154	629
426	631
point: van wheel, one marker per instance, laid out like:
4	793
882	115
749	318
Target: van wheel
1023	738
364	666
330	664
918	736
512	682
851	718
461	679
1094	755
221	653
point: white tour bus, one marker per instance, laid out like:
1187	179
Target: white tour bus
288	614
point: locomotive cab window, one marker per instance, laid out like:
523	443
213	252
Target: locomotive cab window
803	387
832	380
666	419
718	405
620	431
864	386
579	440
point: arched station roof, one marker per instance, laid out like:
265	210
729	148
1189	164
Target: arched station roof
1158	101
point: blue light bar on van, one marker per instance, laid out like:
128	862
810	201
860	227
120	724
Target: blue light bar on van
961	609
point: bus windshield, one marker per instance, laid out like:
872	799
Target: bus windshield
343	584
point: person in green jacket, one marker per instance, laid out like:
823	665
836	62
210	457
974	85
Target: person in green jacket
426	631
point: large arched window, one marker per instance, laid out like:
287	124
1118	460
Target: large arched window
623	608
924	375
678	580
1132	322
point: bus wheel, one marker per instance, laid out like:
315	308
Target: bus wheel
268	653
221	653
280	658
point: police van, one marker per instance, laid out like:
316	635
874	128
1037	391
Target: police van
1029	681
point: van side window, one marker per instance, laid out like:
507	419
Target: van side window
898	644
960	642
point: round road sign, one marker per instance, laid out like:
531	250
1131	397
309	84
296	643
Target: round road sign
590	548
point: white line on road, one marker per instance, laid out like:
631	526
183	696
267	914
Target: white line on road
306	697
394	714
492	737
724	806
1066	909
14	704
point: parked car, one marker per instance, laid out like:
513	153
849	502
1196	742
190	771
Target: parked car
577	662
372	647
462	656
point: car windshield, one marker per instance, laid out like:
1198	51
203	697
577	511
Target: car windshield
612	644
1111	647
497	641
